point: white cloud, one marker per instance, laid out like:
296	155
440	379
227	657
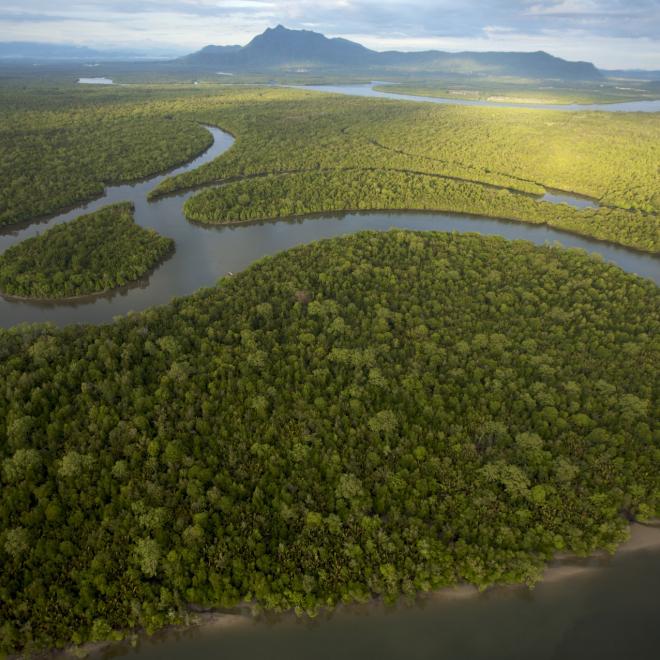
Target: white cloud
565	7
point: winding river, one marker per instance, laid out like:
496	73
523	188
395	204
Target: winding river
368	90
205	253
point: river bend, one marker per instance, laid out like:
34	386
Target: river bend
204	253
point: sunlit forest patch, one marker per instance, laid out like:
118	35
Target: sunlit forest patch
60	151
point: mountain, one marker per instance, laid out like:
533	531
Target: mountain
538	64
280	46
211	54
282	49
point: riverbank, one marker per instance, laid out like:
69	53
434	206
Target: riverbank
499	97
643	538
421	211
217	250
566	566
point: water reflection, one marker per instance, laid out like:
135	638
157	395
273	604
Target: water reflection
577	201
95	81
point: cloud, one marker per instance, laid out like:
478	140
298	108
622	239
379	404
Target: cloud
614	33
612	18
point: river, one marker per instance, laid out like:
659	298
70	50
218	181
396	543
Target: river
368	90
205	253
95	81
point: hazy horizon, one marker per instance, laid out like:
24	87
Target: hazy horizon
610	33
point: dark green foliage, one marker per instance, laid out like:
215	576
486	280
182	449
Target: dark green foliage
91	254
61	147
379	414
344	190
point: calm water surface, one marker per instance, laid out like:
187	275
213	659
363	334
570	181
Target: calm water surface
205	253
95	81
368	90
579	202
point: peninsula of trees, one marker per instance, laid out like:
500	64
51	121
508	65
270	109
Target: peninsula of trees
305	193
91	254
373	415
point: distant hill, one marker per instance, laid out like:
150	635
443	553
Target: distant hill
212	54
538	64
33	50
302	50
636	74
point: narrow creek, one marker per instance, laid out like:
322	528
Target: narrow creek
206	253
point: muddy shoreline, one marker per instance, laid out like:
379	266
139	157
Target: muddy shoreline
643	537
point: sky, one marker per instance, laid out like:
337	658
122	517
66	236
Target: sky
611	33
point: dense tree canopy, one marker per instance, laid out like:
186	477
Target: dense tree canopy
612	157
378	414
61	148
91	254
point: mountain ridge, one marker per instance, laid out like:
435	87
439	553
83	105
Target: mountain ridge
302	50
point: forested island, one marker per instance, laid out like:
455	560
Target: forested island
91	254
373	415
299	194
